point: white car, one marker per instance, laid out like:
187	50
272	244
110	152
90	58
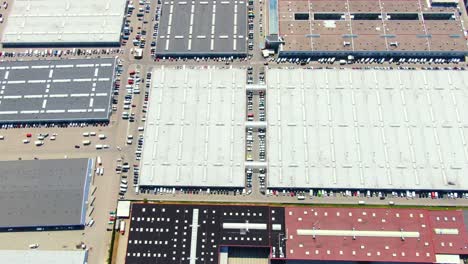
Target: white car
33	246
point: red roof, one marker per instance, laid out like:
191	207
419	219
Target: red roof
420	245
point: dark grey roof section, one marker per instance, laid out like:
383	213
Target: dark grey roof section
56	90
162	233
44	193
202	28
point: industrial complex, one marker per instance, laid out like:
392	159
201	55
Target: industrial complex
205	28
195	131
64	23
44	194
211	234
56	90
367	129
233	131
387	28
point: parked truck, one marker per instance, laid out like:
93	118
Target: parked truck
122	227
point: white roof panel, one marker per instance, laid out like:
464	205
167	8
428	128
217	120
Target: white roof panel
43	256
195	131
367	129
59	22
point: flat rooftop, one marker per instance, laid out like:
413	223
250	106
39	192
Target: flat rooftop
44	193
56	90
195	233
387	235
56	22
194	134
367	25
206	28
367	129
182	233
43	256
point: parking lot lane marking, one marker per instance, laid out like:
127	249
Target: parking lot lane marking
20	67
84	65
58	95
36	81
51	72
12	97
16	82
8	112
106	64
30	112
101	94
2	68
91	102
76	110
33	96
40	67
82	80
61	80
64	66
96	72
44	103
99	110
6	75
103	79
80	95
55	111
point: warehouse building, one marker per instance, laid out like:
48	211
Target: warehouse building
375	235
203	29
227	234
56	90
367	129
44	256
42	195
367	28
64	23
194	134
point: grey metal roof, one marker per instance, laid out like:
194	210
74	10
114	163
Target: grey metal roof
202	28
367	129
56	90
43	256
57	22
194	133
44	192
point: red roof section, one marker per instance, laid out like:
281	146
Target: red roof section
449	244
373	248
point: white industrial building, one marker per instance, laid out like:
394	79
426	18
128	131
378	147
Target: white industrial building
44	256
367	129
194	134
64	23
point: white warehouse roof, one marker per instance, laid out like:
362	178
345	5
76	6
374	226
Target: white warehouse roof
195	132
43	256
367	129
57	22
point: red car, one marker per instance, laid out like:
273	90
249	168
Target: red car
130	81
